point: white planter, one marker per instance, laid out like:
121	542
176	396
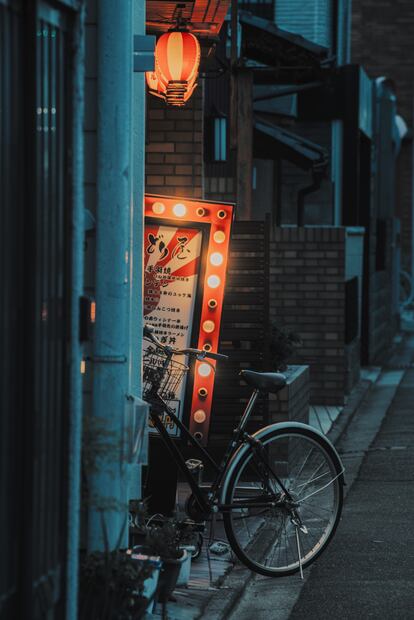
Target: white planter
150	584
184	574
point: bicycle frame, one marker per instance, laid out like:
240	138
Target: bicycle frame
158	406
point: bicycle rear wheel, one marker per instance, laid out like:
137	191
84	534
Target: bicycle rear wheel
286	501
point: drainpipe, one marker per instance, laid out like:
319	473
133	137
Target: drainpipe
108	484
75	390
317	177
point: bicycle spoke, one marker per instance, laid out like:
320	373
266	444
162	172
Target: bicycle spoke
269	538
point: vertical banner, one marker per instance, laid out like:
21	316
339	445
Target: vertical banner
185	260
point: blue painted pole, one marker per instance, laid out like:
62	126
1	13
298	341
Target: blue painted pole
108	485
137	230
75	390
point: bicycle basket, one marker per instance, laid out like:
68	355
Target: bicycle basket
164	381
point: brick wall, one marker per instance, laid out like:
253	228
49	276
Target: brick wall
292	402
174	150
307	294
383	42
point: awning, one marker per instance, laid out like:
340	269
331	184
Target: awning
288	57
273	142
204	18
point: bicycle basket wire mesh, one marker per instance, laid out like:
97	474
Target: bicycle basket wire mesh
165	381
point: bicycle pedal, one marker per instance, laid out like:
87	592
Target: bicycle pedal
194	464
219	548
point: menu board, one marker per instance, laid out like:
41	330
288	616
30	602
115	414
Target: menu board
171	270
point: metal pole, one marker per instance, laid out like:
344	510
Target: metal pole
137	231
75	390
108	484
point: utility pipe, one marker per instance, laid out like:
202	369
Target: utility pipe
108	484
77	254
315	185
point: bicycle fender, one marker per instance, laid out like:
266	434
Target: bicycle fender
260	434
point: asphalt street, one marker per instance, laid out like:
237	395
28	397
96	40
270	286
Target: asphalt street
368	571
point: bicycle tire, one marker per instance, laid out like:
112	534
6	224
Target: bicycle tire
265	539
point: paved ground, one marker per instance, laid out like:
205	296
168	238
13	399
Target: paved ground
368	571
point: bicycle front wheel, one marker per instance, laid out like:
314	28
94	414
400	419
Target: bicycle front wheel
283	501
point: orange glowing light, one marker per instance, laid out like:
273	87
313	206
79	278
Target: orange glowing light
83	367
93	312
209	326
158	208
219	236
177	59
179	209
200	416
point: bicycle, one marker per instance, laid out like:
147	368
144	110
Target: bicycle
280	490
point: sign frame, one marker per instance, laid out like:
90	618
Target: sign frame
214	220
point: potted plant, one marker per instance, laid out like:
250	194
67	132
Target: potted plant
164	541
112	586
283	343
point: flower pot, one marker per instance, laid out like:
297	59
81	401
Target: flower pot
151	583
168	576
184	574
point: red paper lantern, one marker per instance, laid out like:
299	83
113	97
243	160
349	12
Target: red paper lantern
177	58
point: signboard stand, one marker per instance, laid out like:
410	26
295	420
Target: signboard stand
186	246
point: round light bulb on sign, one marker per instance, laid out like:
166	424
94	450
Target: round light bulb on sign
179	209
216	259
209	326
219	236
200	416
213	281
204	370
158	208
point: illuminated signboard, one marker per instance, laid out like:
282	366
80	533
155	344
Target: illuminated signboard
185	259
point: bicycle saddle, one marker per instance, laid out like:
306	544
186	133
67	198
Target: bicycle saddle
264	381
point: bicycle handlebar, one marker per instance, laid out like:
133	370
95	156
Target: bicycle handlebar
148	333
